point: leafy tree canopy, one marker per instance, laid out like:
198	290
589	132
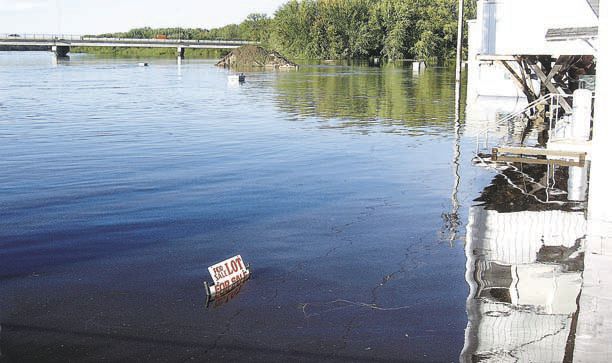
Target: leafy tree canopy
334	29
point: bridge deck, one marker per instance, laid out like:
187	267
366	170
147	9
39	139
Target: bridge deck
83	41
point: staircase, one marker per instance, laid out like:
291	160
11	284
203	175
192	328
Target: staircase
525	128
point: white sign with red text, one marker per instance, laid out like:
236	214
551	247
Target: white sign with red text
227	274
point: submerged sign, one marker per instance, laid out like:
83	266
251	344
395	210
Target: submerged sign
226	275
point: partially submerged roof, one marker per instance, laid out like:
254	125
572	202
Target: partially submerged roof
561	34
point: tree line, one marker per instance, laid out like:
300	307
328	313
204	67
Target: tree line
337	29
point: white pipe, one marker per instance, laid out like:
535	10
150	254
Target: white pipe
581	118
577	183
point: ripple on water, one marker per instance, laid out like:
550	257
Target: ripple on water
120	185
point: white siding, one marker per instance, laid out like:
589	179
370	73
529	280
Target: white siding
519	26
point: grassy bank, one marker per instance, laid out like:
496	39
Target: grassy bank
121	52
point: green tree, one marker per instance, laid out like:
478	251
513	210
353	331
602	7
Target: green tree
333	29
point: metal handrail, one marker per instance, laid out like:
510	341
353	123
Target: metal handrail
530	106
552	98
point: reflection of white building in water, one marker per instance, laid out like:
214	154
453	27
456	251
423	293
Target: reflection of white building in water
522	301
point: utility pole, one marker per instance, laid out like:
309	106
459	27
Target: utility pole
459	48
453	217
59	17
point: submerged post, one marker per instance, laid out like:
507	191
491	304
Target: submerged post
459	48
418	66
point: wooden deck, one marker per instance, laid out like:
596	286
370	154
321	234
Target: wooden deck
527	154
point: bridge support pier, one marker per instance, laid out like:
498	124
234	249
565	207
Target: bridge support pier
61	51
180	54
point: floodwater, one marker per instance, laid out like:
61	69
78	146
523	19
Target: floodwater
121	184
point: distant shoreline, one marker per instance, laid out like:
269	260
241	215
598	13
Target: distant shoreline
24	48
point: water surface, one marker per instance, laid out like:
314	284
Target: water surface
121	184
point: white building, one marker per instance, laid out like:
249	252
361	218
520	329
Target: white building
504	35
506	29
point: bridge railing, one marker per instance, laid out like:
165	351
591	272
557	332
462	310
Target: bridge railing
41	36
73	37
178	41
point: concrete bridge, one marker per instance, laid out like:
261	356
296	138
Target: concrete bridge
60	43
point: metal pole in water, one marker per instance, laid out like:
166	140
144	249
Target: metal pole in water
459	47
453	217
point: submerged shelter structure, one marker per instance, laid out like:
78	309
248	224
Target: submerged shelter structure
537	68
542	55
523	48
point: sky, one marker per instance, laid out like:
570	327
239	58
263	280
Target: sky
101	16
